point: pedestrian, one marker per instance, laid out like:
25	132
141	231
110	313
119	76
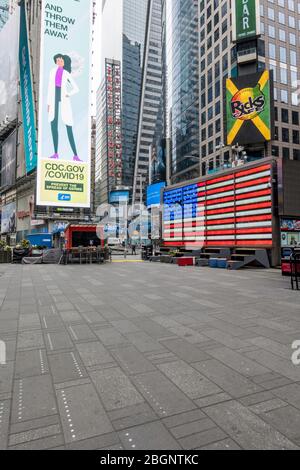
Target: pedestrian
133	250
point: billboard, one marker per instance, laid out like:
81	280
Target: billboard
9	70
245	19
233	210
289	188
158	166
9	153
249	109
64	149
114	122
28	111
115	197
8	218
154	194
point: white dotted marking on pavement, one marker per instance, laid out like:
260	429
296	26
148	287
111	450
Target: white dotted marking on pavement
76	365
154	400
1	413
20	398
69	418
42	362
130	440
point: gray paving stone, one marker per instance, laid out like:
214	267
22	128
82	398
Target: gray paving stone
213	399
33	398
148	437
268	405
52	323
238	362
187	379
38	423
30	340
285	419
283	367
66	366
81	333
143	342
185	351
107	442
70	316
227	444
82	406
289	393
58	340
183	418
110	336
229	380
125	326
203	438
4	423
225	338
30	363
132	416
195	427
32	435
247	429
46	443
93	353
115	389
131	360
162	395
6	377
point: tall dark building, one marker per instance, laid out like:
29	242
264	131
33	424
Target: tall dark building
182	76
134	43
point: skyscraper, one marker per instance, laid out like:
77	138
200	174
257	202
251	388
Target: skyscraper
182	77
275	48
124	103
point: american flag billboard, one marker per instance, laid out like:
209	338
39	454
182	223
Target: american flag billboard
233	209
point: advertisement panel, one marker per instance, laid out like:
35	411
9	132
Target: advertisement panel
158	166
154	194
230	210
9	152
64	150
115	197
8	218
245	19
9	70
28	111
249	109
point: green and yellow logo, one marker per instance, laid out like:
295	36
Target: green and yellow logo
248	104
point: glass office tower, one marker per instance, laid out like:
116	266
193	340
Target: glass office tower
181	17
125	39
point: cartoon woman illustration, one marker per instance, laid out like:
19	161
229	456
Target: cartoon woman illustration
59	93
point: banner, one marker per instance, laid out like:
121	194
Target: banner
8	167
64	150
28	112
9	69
8	219
249	109
245	19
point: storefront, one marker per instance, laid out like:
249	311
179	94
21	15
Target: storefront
290	233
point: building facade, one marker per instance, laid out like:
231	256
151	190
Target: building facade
134	47
276	48
18	201
181	73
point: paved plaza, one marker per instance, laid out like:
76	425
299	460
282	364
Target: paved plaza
148	356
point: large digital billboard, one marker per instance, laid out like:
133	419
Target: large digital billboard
28	109
8	218
245	19
8	167
9	70
249	109
154	194
233	209
64	140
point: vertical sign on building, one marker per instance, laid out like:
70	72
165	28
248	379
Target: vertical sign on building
28	111
114	123
245	19
64	150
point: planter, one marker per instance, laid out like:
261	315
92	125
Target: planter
5	257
